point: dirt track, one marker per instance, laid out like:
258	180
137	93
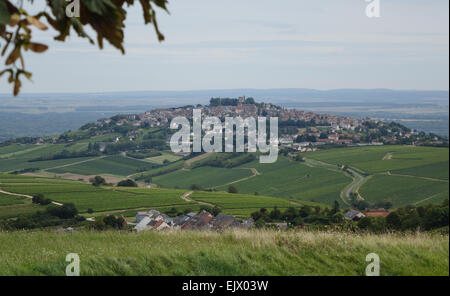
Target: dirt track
185	197
27	196
197	158
254	172
387	156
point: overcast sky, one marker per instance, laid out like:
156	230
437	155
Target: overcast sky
222	44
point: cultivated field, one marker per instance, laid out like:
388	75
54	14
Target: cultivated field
285	178
294	180
403	191
206	177
6	199
86	197
163	157
109	199
370	159
9	165
240	203
401	174
12	206
114	165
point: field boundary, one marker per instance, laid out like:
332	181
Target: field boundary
389	173
253	170
197	158
428	198
8	155
73	163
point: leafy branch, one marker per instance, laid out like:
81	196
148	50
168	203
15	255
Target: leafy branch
105	17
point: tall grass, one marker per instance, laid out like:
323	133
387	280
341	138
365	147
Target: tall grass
239	252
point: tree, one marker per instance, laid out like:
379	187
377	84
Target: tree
317	210
216	211
304	211
436	217
335	209
114	222
291	213
105	17
66	211
275	214
260	223
172	212
359	204
187	211
205	208
393	220
298	221
196	187
338	217
99	224
97	181
232	189
127	183
365	223
40	199
412	221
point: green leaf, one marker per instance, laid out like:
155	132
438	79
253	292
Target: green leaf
4	13
99	6
161	3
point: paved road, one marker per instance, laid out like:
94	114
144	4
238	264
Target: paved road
359	179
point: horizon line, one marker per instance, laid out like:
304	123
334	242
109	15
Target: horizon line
229	89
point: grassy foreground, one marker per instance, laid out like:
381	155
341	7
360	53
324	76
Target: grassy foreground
232	253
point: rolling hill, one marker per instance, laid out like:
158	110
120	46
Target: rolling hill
403	175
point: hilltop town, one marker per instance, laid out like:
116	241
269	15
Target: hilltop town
298	129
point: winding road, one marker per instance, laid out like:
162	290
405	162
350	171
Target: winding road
186	198
358	179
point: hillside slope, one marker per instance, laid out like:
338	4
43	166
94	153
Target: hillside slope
232	253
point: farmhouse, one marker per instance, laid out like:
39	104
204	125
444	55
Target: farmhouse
354	215
199	221
152	214
222	221
248	223
376	212
152	220
179	221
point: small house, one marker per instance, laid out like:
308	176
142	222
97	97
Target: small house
353	215
376	212
223	221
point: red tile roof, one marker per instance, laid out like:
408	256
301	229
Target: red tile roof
376	213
